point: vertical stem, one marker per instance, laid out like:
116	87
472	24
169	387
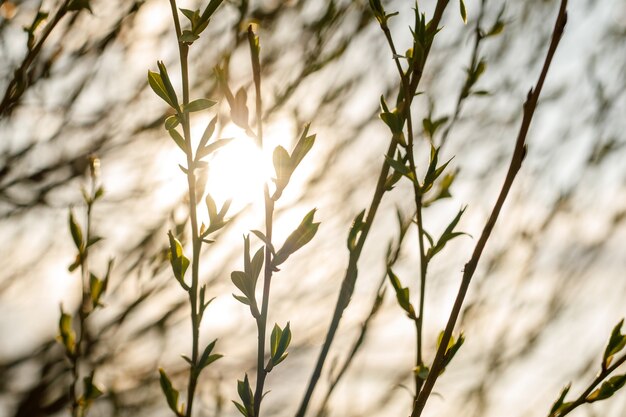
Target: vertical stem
269	218
196	241
417	194
262	320
83	311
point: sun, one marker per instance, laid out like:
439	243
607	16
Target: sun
239	172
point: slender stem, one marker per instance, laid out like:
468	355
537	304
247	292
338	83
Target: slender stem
262	319
18	83
473	62
351	274
582	398
83	312
196	240
417	194
516	162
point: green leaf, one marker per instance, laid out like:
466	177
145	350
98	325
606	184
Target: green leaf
192	15
616	343
179	262
240	279
171	122
178	139
66	333
451	350
393	121
171	394
559	403
198	105
402	294
355	229
91	391
242	299
607	389
247	397
279	342
207	358
156	83
93	240
297	239
75	230
241	408
447	235
463	11
256	265
96	287
165	78
304	145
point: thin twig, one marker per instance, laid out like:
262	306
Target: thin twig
19	82
516	162
196	239
582	399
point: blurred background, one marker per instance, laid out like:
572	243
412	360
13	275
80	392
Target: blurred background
550	286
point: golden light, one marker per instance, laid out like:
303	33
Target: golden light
239	170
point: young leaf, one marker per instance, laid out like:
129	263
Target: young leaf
279	342
559	403
198	105
304	145
207	358
447	235
607	389
247	397
463	11
297	239
156	83
91	391
171	394
402	294
617	342
96	287
357	226
165	79
178	260
178	139
75	230
66	334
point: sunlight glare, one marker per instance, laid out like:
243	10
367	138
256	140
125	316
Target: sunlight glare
239	171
